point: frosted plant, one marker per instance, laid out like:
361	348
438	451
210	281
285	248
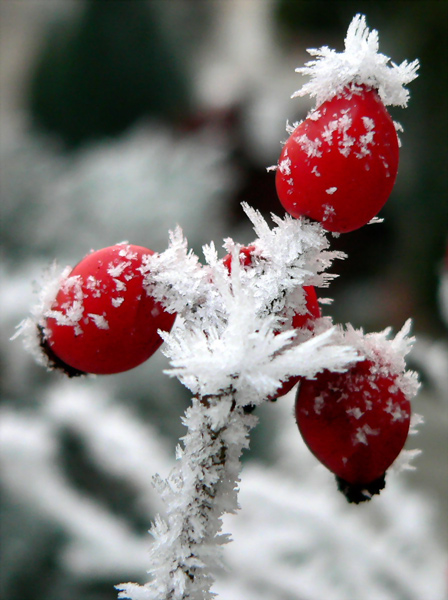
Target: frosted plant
236	341
100	543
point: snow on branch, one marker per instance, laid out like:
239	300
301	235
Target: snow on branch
233	332
360	63
232	346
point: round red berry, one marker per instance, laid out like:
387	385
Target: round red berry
102	320
339	166
355	423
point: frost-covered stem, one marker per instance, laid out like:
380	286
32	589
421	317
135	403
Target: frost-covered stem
215	469
199	490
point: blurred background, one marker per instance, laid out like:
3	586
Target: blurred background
121	119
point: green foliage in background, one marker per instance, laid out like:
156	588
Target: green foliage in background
103	71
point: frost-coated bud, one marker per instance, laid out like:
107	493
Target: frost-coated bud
102	320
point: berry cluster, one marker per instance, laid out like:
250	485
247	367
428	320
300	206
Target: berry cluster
355	422
338	168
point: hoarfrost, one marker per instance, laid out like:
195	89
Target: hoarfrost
51	282
310	147
115	270
359	64
362	434
99	320
116	302
232	345
285	166
232	348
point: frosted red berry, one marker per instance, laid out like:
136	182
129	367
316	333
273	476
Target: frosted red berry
302	320
299	320
339	166
102	320
245	255
355	423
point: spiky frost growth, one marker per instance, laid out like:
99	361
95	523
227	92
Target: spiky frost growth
387	353
233	334
360	63
30	327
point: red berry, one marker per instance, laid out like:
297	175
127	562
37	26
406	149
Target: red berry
355	423
102	320
299	320
246	257
339	166
312	309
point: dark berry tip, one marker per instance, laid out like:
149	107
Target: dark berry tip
54	362
361	492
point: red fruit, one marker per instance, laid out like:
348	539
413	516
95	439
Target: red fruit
246	253
339	166
355	423
312	309
102	320
298	321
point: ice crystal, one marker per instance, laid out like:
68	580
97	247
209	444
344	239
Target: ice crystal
359	64
387	353
52	280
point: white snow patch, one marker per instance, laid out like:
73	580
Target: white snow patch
395	411
314	115
319	403
99	320
117	270
285	166
366	140
310	147
362	433
355	412
120	285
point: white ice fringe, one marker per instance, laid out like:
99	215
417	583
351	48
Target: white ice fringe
52	280
360	63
